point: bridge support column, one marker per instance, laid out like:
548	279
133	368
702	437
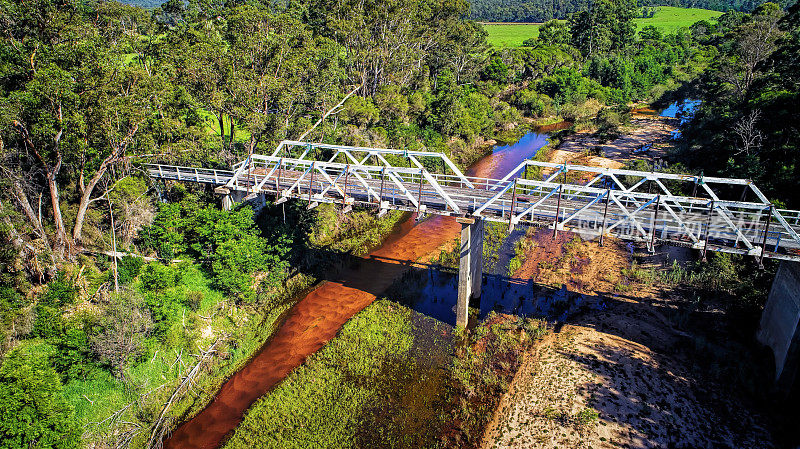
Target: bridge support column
779	324
470	268
229	198
227	202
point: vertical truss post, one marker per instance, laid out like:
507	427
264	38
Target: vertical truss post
655	221
346	178
278	179
513	206
708	229
249	172
311	183
383	179
419	194
558	211
764	241
605	214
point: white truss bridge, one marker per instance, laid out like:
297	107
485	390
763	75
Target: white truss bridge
651	207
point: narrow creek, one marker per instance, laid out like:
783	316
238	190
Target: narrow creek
317	317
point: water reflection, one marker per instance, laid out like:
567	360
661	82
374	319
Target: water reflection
683	110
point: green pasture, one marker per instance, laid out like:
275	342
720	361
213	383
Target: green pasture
510	34
668	19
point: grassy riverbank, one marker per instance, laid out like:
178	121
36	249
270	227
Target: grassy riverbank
392	376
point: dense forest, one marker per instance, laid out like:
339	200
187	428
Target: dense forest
114	290
544	10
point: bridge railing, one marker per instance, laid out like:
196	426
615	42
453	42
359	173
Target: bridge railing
194	174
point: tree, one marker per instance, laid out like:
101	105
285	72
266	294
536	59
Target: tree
753	42
747	131
33	410
650	33
554	32
71	99
606	26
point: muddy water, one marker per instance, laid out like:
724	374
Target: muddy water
317	317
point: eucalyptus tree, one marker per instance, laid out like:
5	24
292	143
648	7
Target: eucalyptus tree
607	25
279	73
391	41
75	102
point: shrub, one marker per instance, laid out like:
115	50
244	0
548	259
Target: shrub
234	263
60	291
529	101
497	70
74	359
10	304
157	277
125	325
34	411
128	268
194	299
48	323
165	234
587	416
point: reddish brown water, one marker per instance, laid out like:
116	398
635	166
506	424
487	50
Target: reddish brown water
319	315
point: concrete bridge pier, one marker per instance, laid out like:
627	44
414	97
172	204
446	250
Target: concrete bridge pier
779	324
470	267
229	198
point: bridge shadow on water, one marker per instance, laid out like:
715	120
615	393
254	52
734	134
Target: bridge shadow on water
432	289
673	373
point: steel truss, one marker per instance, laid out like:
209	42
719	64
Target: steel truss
595	202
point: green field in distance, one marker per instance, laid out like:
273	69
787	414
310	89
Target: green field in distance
667	19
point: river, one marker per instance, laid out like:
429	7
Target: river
318	316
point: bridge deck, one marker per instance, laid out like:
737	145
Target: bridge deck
702	223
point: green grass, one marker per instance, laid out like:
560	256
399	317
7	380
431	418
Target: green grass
668	19
510	34
212	126
380	379
392	378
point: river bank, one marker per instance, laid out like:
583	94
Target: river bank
645	355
